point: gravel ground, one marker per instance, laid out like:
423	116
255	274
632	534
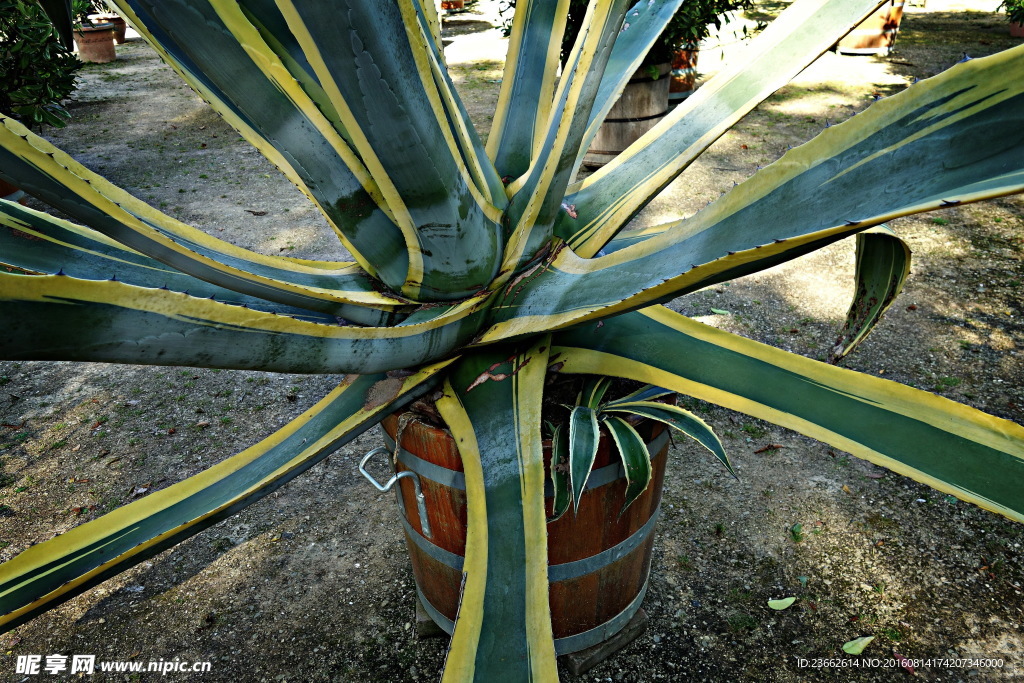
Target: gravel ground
313	582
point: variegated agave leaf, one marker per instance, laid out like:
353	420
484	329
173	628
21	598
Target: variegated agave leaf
469	275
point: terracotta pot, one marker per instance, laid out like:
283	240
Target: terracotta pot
1016	29
598	560
641	106
876	35
96	43
120	26
684	74
453	4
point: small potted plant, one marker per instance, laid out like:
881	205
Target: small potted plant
876	35
649	95
680	42
1015	15
93	36
120	25
36	70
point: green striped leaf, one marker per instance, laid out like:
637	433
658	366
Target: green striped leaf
883	264
386	91
503	628
473	154
628	238
560	483
537	195
643	24
38	243
593	391
677	418
222	54
952	139
584	435
607	200
119	323
636	461
53	571
949	446
528	85
53	176
266	18
644	393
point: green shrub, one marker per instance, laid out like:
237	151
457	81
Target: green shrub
36	72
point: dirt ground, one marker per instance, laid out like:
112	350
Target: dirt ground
313	583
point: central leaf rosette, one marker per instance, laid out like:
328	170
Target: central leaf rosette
478	267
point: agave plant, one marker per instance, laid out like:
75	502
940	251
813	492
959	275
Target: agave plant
476	267
574	443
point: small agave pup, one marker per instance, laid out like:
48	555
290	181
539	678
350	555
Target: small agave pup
459	276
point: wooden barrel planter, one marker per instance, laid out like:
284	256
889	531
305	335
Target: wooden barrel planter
96	43
876	35
12	193
643	103
598	562
684	74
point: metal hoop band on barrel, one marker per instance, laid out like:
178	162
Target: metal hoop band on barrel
457	480
556	572
563	646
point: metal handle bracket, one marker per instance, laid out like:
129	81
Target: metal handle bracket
421	503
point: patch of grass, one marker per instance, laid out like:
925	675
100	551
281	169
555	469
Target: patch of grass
738	623
223	544
753	431
943	383
738	596
891	634
882	523
940	221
